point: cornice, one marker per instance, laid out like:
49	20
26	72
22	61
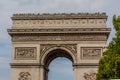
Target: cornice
26	65
62	30
58	16
85	65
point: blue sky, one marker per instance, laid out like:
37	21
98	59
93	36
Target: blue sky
61	69
9	7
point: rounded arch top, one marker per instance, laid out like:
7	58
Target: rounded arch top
55	52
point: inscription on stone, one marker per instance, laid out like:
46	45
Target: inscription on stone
91	53
25	53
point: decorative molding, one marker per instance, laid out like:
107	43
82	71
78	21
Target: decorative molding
91	53
60	37
85	64
87	23
72	34
24	76
90	76
61	30
25	53
26	65
36	35
45	47
58	16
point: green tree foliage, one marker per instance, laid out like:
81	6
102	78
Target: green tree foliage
109	65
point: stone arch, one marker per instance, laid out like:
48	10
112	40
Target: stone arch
53	53
44	40
49	55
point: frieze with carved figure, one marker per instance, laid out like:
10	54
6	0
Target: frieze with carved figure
25	53
91	53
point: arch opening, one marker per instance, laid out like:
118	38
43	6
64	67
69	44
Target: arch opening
60	69
54	54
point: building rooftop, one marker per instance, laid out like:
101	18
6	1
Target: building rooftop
58	16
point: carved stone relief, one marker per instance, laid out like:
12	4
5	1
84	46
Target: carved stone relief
71	47
25	53
91	53
24	76
58	31
61	23
59	37
90	76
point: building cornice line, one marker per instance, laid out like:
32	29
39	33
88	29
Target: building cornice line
58	16
66	30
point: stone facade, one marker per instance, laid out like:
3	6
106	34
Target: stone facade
80	20
37	39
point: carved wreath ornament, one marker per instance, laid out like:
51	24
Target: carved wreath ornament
24	76
90	76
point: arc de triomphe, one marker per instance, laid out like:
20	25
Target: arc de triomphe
37	39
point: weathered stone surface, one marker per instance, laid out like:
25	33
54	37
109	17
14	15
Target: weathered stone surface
25	53
24	76
37	39
48	16
91	53
80	20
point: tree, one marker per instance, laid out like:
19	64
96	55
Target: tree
109	64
